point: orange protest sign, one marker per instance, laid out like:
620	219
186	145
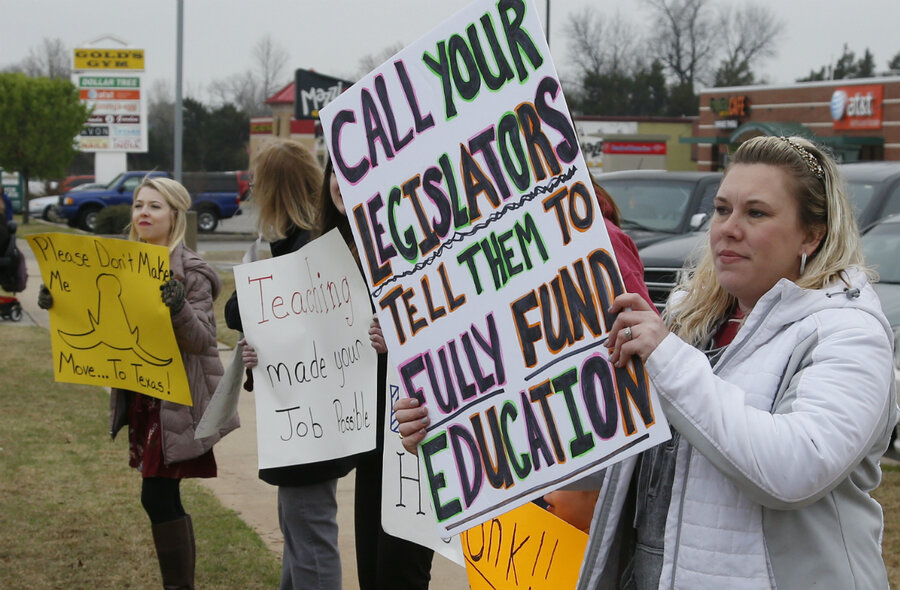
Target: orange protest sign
525	548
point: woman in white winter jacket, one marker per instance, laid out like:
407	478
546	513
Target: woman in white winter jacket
774	368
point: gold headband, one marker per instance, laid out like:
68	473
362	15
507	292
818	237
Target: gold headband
811	161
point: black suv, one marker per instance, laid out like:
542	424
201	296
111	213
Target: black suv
874	191
657	204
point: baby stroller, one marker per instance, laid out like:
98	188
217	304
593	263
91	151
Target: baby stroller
13	276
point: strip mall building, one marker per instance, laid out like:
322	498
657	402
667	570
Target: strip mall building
857	119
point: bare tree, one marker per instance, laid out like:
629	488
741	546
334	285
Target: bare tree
242	90
371	61
749	34
602	45
249	90
682	37
51	59
270	59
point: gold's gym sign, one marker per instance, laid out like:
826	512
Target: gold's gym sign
109	59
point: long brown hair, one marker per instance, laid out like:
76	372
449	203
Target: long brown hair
285	179
329	217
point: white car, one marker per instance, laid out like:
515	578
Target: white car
44	207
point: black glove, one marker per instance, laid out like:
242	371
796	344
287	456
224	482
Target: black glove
45	297
172	292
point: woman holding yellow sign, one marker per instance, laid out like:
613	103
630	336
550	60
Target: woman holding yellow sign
161	433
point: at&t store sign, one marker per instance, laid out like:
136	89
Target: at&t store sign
857	107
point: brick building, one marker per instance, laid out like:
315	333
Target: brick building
857	119
281	124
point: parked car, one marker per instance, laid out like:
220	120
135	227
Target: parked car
44	207
881	244
657	204
88	186
664	260
72	181
873	190
244	178
214	195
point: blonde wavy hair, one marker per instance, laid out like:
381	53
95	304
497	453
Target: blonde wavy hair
178	199
822	202
286	181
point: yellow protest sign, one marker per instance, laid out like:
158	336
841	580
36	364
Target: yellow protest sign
108	324
525	548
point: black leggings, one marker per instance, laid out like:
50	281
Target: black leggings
161	498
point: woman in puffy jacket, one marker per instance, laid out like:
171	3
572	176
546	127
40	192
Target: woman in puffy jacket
161	433
774	369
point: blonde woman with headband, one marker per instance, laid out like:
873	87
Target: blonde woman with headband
774	367
161	433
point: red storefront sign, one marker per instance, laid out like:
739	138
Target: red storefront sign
653	148
857	107
97	94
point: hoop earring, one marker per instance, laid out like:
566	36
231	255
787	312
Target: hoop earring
802	262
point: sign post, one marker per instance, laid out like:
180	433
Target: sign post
110	82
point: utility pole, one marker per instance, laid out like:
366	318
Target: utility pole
178	108
547	29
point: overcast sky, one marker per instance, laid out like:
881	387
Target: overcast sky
331	36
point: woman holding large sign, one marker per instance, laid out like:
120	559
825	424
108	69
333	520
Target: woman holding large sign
775	368
161	433
286	179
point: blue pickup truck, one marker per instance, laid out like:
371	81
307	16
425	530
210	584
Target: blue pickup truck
215	196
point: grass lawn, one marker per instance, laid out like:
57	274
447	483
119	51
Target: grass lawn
70	513
225	334
39	226
889	496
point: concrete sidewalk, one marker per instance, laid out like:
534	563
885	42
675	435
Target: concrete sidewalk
237	485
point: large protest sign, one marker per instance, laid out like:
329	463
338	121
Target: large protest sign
108	324
224	401
406	510
489	263
307	314
525	548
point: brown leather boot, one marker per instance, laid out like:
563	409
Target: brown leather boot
175	551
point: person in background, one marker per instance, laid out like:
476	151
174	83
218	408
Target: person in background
161	439
7	205
4	225
286	180
383	562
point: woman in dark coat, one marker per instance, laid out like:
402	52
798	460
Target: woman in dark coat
285	183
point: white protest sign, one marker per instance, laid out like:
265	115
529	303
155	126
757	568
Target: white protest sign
406	510
489	263
307	314
223	403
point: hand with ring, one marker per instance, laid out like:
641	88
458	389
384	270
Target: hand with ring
638	329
